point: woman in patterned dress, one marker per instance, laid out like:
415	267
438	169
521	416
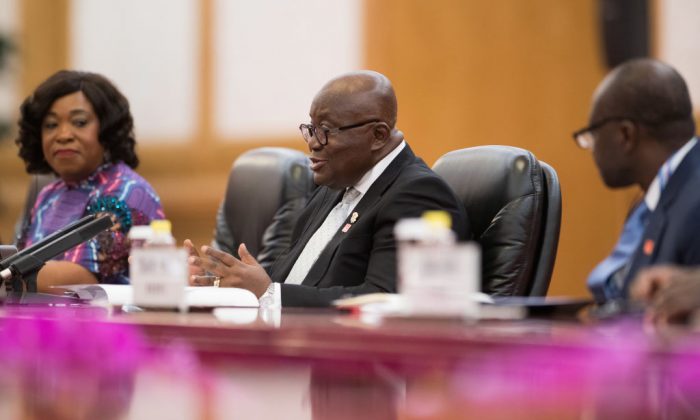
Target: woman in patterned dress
78	126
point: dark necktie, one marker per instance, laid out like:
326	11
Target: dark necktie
600	281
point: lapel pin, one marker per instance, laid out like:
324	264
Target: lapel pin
346	228
648	247
354	217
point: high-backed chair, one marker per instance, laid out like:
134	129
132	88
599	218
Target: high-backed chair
550	232
514	206
267	187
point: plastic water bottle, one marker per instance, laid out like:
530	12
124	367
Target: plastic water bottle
433	228
139	235
158	269
161	235
437	276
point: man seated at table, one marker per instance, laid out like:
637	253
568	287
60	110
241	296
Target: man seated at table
368	179
641	133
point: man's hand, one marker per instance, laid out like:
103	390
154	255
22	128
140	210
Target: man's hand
671	293
194	271
245	273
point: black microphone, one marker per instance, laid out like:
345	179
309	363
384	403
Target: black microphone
61	232
26	266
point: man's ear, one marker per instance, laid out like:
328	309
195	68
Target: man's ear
381	134
630	135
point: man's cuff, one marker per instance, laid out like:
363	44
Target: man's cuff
272	298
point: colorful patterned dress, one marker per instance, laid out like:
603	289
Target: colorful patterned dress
113	189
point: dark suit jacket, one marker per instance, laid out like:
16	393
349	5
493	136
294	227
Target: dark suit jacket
672	235
363	259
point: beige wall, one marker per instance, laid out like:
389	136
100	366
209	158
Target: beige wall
467	72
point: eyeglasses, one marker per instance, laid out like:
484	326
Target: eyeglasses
321	133
584	136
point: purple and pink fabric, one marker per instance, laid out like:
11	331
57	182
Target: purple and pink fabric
113	189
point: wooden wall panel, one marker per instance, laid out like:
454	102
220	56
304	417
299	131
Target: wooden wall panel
43	42
521	73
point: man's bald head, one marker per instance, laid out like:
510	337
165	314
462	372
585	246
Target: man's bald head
369	92
650	92
354	121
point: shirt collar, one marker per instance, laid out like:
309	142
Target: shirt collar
651	198
370	176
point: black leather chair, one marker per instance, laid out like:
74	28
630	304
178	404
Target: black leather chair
267	188
514	207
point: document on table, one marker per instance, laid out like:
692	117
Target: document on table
202	296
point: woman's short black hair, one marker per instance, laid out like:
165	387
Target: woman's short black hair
111	107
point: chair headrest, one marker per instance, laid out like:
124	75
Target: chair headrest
487	178
260	181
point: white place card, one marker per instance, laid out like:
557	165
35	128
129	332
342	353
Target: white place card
440	279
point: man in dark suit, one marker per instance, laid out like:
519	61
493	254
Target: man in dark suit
641	133
369	178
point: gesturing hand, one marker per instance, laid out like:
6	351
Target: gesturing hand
245	273
193	270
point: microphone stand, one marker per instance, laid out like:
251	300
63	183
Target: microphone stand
20	274
32	248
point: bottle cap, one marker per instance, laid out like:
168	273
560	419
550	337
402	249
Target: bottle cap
438	218
161	226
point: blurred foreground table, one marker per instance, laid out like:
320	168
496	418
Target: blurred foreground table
87	361
326	364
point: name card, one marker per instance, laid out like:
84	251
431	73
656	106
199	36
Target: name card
159	277
440	279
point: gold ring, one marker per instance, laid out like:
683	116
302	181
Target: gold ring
217	280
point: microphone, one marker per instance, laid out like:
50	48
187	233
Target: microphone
28	264
28	250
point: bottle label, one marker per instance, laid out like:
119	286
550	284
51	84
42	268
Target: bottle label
440	279
159	277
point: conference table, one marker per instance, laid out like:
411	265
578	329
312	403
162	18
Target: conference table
327	364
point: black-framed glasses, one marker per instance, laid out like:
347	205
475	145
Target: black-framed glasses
584	137
321	133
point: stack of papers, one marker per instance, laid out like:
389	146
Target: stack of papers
397	305
519	307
